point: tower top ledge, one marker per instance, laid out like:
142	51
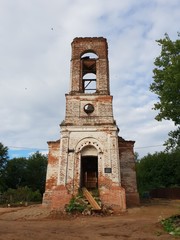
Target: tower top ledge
83	39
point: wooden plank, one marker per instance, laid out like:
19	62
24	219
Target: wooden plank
90	199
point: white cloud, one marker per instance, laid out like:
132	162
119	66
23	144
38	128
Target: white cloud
35	53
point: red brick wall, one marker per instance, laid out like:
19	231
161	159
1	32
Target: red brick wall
111	194
128	172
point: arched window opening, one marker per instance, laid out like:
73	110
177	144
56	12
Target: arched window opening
89	55
88	60
89	83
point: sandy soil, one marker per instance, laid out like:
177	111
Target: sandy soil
35	222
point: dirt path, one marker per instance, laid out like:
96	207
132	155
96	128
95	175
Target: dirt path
37	223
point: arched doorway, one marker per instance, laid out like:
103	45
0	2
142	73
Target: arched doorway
89	172
89	167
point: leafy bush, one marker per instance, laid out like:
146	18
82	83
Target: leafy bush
20	195
172	225
158	170
76	204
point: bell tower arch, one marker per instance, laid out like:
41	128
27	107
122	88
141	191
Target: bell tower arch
89	55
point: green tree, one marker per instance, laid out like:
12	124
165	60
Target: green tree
3	161
30	172
15	173
158	170
3	156
36	172
136	156
167	86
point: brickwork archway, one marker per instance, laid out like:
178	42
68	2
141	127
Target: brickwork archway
89	149
89	142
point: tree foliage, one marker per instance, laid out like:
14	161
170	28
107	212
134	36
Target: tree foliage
167	86
21	172
36	172
3	156
158	170
15	173
3	162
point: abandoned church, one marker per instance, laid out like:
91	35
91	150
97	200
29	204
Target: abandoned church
90	154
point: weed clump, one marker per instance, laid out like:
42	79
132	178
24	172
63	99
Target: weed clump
172	225
76	204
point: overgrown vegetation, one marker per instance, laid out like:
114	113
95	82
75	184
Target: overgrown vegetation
76	204
22	179
20	196
172	225
158	170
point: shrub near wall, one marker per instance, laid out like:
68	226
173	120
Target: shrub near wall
20	196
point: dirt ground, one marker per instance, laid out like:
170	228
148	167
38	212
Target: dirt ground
38	223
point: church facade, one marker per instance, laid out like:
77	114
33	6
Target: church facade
90	153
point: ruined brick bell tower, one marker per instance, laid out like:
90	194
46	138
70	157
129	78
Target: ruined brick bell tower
90	154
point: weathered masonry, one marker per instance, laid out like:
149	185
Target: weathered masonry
90	153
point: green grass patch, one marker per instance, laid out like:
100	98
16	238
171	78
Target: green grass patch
172	225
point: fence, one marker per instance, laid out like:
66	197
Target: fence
169	193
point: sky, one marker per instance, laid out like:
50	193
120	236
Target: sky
35	54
